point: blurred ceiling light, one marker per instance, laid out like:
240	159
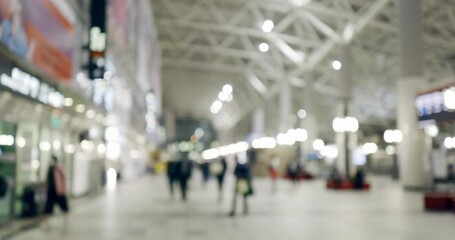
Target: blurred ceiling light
241	146
369	148
210	154
223	96
300	135
393	136
45	146
264	143
318	144
300	3
21	142
227	88
223	150
347	124
449	98
101	148
285	139
432	130
268	26
330	152
87	145
70	148
112	134
56	144
113	151
264	47
199	132
35	164
69	102
336	65
90	113
229	98
390	150
302	113
213	110
80	108
449	142
6	140
216	106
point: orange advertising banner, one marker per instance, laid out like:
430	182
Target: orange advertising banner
40	32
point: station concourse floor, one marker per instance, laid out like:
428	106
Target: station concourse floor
142	209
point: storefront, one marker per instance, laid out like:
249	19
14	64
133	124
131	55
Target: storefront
37	121
436	110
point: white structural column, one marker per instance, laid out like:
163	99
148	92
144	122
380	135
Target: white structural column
310	122
258	122
285	107
170	125
411	149
342	139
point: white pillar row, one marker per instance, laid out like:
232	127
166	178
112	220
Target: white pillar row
170	124
345	87
411	149
285	107
310	122
258	122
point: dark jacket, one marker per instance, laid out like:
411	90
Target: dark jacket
242	171
184	168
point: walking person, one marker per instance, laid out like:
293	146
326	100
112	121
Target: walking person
172	175
218	169
294	171
273	169
205	169
56	191
243	186
184	168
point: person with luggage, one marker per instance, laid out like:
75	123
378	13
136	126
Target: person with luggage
243	185
218	169
56	190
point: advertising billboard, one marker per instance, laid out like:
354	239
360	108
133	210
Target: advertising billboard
40	31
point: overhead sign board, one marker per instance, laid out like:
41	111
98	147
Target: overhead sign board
437	104
98	39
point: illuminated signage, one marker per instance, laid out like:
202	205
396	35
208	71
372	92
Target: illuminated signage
437	104
31	87
97	39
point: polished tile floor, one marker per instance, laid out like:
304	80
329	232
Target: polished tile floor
142	209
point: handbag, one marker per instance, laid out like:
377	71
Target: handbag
243	186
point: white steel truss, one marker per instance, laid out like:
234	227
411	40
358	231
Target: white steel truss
223	36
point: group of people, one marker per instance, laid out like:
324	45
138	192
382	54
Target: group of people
294	171
358	180
180	170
